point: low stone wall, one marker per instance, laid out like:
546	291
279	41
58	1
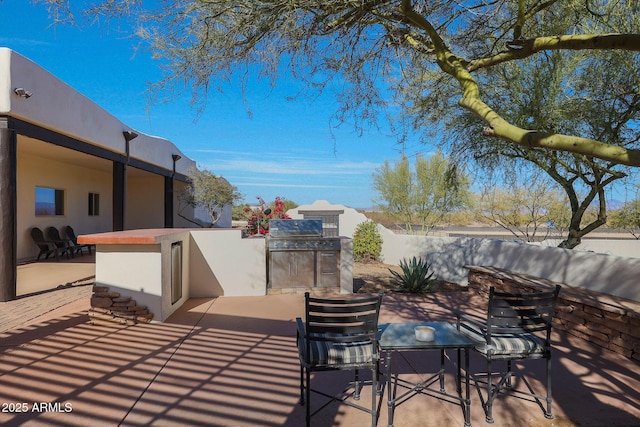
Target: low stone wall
109	307
608	321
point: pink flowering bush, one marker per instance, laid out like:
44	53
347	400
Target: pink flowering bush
258	222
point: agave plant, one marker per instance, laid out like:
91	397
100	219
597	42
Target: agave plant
415	277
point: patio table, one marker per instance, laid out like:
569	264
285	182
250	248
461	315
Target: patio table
400	337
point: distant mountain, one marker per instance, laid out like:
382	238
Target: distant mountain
614	204
44	208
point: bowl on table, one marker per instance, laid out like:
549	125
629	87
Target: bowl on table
425	333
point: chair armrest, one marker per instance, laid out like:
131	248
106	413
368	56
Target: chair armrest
475	322
65	242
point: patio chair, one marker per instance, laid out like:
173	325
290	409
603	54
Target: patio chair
45	246
339	334
63	244
517	327
71	235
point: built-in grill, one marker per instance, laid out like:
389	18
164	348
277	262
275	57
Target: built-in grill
299	255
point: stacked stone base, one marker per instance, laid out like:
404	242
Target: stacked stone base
111	308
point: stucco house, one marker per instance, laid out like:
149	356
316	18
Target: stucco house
66	161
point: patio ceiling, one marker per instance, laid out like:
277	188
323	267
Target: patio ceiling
66	155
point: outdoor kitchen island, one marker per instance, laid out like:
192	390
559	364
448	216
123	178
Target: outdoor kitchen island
301	258
144	265
162	268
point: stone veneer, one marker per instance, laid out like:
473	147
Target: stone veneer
608	321
109	307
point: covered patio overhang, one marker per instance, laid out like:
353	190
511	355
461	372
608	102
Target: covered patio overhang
55	138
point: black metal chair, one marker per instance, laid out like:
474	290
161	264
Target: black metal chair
71	235
518	326
339	334
64	245
45	246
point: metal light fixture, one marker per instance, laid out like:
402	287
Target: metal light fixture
175	158
129	135
265	211
22	92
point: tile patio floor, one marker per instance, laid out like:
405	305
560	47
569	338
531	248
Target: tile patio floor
232	361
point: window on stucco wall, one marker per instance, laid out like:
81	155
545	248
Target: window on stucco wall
94	204
49	201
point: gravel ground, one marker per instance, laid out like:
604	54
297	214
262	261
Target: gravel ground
372	277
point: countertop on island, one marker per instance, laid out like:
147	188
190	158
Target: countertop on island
149	236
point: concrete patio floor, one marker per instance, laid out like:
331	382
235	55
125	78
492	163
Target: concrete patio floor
34	277
232	361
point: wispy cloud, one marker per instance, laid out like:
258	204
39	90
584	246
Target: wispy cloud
289	185
15	42
299	174
282	163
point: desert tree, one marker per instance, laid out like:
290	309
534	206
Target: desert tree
627	217
366	49
207	191
528	207
417	61
558	92
421	195
393	184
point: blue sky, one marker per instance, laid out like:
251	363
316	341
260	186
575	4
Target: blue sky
284	148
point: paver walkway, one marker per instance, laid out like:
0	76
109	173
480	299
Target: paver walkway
23	311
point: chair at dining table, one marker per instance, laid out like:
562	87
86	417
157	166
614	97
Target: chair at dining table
339	334
517	327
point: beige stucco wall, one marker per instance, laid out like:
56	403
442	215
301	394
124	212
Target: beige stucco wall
223	263
348	221
5	79
215	262
609	266
346	265
76	181
143	272
605	273
145	202
132	270
626	248
57	106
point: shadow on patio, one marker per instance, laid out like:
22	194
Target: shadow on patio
233	362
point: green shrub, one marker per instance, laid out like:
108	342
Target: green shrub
367	242
415	277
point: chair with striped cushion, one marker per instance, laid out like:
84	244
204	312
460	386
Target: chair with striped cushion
339	334
517	326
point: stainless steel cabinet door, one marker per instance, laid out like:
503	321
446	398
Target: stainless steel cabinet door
292	269
328	275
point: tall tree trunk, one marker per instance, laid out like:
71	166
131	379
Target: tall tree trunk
570	242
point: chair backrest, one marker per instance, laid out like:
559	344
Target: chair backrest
71	235
510	313
38	237
53	234
353	319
